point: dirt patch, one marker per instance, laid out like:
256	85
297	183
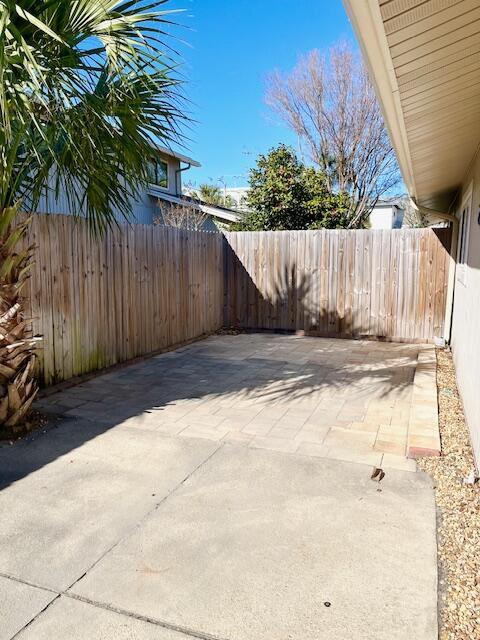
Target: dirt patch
229	331
35	421
458	506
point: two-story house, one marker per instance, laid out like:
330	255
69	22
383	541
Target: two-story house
165	188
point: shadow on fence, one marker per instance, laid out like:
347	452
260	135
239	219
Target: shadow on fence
286	305
387	285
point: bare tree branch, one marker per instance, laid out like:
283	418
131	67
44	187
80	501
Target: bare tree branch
412	217
188	216
329	102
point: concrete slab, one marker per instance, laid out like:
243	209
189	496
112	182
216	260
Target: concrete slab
73	620
68	503
168	536
19	603
260	545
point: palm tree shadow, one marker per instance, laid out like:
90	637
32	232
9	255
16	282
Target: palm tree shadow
293	303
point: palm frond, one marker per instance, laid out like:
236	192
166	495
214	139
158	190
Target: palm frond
87	85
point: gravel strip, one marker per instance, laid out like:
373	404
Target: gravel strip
458	507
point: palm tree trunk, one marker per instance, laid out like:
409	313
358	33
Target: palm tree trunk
18	386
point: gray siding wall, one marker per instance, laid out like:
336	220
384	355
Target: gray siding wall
174	178
144	209
208	225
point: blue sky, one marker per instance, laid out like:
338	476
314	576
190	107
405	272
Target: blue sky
233	45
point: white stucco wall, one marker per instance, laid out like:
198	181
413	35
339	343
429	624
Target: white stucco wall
466	316
386	217
381	217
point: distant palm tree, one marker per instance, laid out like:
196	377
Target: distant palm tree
212	194
86	86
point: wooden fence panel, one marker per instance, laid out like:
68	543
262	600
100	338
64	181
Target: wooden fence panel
138	290
389	285
141	289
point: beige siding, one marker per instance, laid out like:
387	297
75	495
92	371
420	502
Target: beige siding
435	50
424	57
466	317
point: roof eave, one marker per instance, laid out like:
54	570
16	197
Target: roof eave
173	154
228	215
367	22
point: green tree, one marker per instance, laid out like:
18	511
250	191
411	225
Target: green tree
87	85
285	194
325	210
329	102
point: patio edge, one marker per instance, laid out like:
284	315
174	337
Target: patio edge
423	429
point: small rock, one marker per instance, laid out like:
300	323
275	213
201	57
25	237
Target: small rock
472	478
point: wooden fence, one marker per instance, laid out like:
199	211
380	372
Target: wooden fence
384	284
138	290
141	289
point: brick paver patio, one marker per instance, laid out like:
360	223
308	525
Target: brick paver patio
359	401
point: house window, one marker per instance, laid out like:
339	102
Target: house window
463	238
158	173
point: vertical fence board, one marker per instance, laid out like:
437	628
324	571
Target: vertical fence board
144	288
135	291
382	284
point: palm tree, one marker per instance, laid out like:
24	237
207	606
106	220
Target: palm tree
212	194
86	87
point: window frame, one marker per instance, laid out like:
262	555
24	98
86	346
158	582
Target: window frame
464	224
156	163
